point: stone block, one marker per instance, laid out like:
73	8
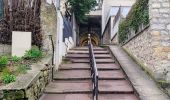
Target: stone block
155	33
158	26
156	5
21	41
168	27
29	93
165	43
166	4
169	56
164	10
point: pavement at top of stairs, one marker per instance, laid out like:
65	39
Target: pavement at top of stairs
144	85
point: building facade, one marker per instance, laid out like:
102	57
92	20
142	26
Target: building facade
112	12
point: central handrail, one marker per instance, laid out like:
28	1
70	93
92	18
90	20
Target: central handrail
94	71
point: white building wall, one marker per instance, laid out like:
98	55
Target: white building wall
61	47
59	40
115	28
107	4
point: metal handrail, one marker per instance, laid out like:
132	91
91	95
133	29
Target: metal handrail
94	71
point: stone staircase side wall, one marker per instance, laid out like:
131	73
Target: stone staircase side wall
152	46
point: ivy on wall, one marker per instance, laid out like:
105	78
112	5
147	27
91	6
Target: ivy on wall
138	15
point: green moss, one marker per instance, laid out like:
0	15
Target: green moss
65	61
13	95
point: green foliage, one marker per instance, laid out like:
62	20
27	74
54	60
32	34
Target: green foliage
16	59
138	15
3	62
21	69
8	78
81	7
33	53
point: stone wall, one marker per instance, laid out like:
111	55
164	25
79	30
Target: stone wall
152	45
140	47
5	49
48	25
30	86
160	31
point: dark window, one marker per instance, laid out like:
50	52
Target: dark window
1	8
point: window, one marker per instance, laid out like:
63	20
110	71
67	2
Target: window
1	8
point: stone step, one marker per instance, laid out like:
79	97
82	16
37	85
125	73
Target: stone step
108	66
115	86
98	56
86	66
75	66
86	48
63	87
72	75
111	75
118	97
87	52
66	97
97	61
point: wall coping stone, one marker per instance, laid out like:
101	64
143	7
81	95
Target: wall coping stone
24	81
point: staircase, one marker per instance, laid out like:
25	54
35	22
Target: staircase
73	80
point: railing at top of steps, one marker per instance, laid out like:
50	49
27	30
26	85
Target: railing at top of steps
94	72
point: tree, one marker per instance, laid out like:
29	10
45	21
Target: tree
81	8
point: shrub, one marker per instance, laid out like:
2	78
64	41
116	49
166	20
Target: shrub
16	59
33	53
21	69
3	62
8	78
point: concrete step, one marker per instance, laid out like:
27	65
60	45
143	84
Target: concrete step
87	52
115	86
64	87
75	66
118	97
66	97
88	61
72	75
98	56
111	75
